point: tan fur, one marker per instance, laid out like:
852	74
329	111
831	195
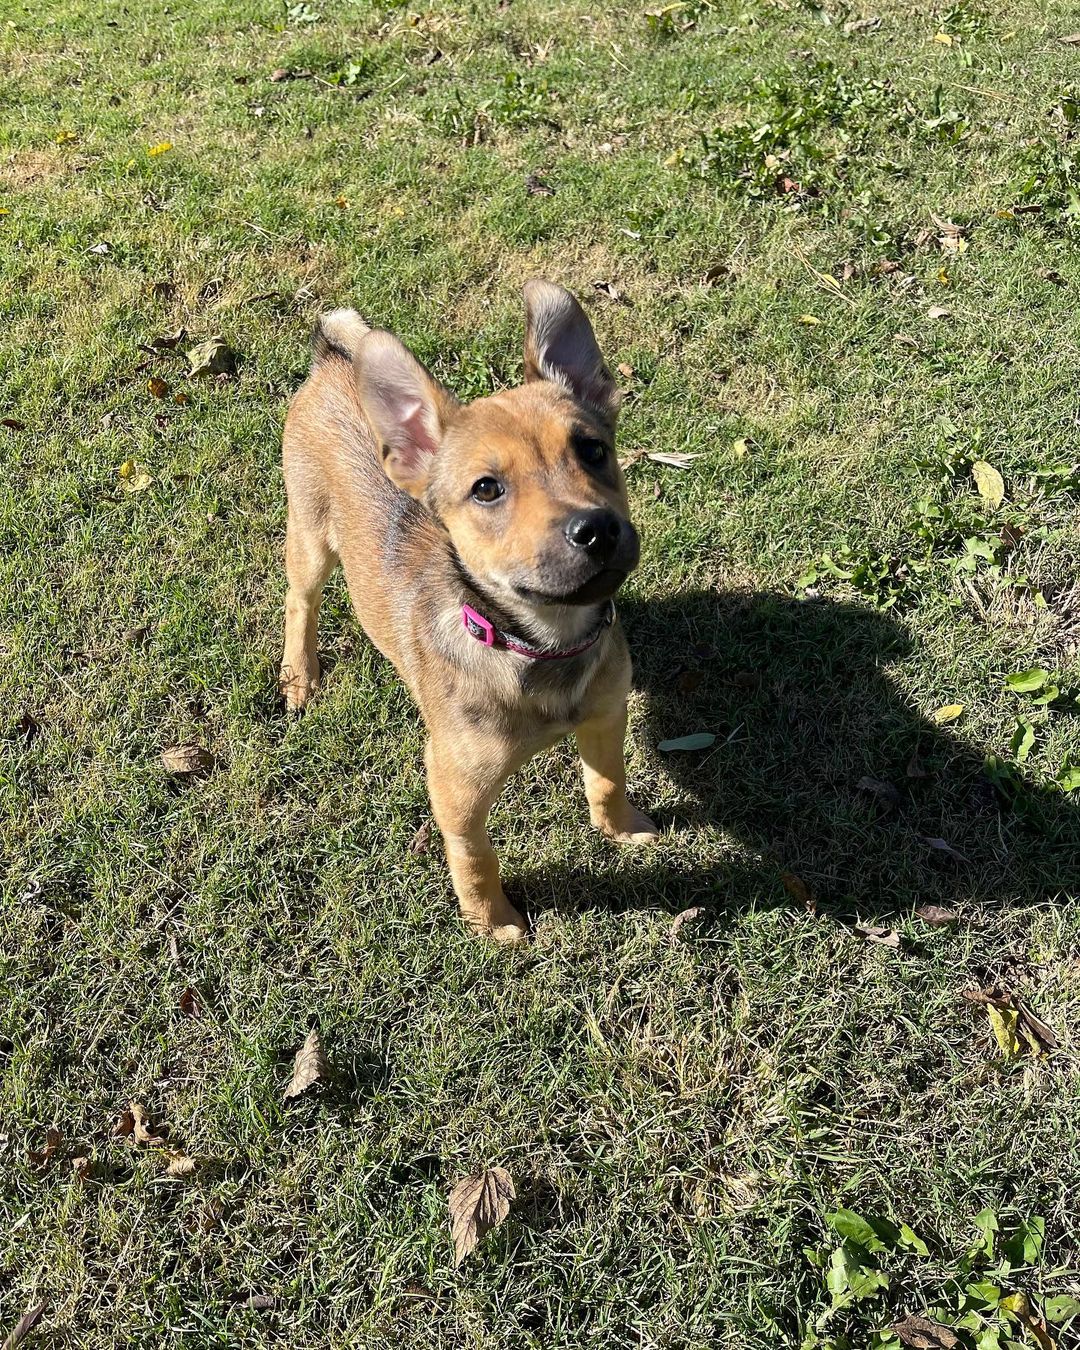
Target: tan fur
487	710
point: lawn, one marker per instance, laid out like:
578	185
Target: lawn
832	251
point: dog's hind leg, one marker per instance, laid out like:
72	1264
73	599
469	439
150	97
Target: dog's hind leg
309	560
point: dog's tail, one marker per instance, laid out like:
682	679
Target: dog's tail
338	334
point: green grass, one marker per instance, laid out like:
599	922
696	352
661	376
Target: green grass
679	1116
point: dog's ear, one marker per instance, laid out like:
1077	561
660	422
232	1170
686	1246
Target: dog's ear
560	346
406	406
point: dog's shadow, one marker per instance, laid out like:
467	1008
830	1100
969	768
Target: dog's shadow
821	768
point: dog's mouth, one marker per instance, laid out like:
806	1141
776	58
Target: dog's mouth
601	586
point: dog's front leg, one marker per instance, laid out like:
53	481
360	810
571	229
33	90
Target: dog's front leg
464	780
600	744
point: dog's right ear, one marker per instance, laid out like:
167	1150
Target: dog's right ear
406	406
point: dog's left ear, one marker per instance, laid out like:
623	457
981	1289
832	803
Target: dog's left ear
560	346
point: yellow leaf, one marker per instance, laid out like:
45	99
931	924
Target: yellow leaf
341	202
157	386
676	157
989	482
162	147
130	164
808	318
66	138
953	243
1003	1024
740	449
1005	215
943	276
949	712
133	477
946	39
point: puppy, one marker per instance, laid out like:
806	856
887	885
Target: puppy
482	545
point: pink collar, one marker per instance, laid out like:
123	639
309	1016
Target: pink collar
483	630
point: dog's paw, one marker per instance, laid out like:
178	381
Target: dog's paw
296	689
634	827
501	923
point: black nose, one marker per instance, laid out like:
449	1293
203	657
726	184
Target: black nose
597	532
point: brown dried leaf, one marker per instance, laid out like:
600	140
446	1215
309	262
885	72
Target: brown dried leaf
421	840
687	916
309	1067
884	937
28	728
915	767
257	1302
799	891
26	1323
167	341
42	1157
1070	40
212	357
209	1215
125	1125
610	291
157	387
936	916
279	74
716	273
477	1205
82	1169
1042	1037
1050	274
536	187
942	846
921	1334
885	793
862	25
144	1128
626	370
12	424
186	761
189	1004
180	1165
938	312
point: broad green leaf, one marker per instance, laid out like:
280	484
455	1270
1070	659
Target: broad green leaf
986	1221
699	740
1069	778
989	482
1028	681
983	1293
851	1278
1061	1308
854	1227
1023	738
909	1238
1023	1245
989	1339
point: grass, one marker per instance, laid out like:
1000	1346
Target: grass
680	1116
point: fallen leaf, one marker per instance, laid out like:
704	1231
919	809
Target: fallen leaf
687	916
1003	1024
421	840
257	1302
157	387
946	39
1011	535
101	249
181	398
28	729
884	937
12	424
799	891
26	1323
1051	275
915	767
936	312
942	846
952	243
740	448
948	712
716	273
809	319
625	370
279	74
698	740
990	484
125	1125
81	1169
936	916
477	1205
862	25
168	341
133	477
688	681
189	1004
187	761
610	291
309	1067
676	461
180	1165
162	148
536	187
921	1334
1042	1037
209	1215
1071	40
1021	1308
145	1130
886	267
212	357
884	792
42	1157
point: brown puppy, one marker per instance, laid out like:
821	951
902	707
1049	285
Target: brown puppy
482	544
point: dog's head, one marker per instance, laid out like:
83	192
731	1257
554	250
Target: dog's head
525	482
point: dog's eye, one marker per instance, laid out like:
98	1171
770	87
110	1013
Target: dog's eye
591	452
487	490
